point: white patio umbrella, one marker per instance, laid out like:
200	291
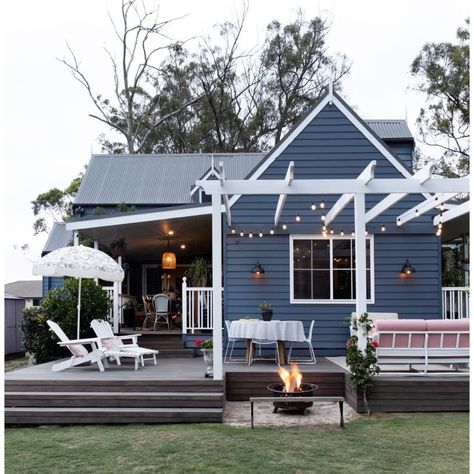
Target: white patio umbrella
80	262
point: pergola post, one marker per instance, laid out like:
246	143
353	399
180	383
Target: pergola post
360	254
217	284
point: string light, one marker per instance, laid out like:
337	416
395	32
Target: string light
250	235
366	233
241	233
313	206
298	218
323	217
284	226
353	233
342	232
322	205
331	231
272	231
382	228
442	206
233	230
260	234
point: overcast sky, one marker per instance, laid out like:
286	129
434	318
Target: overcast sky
48	135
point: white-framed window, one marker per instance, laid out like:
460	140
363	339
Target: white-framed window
322	269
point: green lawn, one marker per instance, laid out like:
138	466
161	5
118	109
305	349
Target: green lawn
409	443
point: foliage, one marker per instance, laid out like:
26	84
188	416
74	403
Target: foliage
452	274
122	207
37	338
54	205
98	210
217	96
60	305
204	343
408	443
265	306
362	367
442	70
198	272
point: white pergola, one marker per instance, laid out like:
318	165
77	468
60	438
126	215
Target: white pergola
436	191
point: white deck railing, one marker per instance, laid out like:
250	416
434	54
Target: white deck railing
455	302
197	311
110	293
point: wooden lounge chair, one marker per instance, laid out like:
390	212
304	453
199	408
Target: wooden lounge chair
109	341
80	354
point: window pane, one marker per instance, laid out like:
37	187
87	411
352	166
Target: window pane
342	284
321	285
302	254
367	282
341	253
302	285
321	254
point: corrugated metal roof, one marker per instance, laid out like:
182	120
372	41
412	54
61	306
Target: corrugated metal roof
58	237
25	288
154	179
390	129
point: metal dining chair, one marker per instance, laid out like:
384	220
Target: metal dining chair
308	340
264	342
230	344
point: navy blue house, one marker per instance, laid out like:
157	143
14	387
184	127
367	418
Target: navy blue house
308	274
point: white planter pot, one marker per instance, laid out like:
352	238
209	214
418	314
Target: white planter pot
209	361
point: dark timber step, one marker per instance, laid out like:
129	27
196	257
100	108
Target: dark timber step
115	399
42	416
170	345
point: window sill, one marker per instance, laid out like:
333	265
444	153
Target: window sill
330	302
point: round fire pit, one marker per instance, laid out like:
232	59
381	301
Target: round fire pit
306	390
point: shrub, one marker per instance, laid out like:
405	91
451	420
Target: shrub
60	305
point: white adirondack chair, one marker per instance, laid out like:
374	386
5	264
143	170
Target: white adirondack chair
80	354
110	342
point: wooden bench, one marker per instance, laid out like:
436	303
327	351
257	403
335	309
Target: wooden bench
340	400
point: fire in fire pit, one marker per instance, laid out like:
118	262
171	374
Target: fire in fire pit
292	387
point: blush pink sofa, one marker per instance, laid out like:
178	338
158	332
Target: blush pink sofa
422	341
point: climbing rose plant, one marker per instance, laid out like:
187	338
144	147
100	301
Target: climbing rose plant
363	367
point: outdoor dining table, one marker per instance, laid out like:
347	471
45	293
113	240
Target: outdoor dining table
275	330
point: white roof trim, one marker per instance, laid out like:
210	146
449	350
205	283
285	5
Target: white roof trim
212	172
282	198
454	212
138	218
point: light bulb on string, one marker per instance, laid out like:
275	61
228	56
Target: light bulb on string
382	228
241	233
298	218
272	231
313	206
260	234
323	217
284	226
322	205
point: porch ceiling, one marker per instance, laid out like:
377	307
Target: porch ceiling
148	240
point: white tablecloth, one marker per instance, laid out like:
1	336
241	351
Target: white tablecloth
274	330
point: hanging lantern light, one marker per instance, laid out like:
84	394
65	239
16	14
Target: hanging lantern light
168	260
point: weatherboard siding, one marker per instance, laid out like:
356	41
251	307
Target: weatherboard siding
329	147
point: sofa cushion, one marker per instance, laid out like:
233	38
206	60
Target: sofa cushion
448	340
401	340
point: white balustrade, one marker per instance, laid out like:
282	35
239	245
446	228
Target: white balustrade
197	309
110	293
455	302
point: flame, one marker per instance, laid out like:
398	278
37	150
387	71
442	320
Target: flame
291	380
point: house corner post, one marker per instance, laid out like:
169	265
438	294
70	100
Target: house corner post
217	284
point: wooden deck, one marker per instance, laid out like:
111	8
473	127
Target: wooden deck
175	391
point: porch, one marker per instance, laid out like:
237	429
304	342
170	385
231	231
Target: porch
175	391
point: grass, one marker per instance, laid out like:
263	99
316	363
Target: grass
15	364
408	443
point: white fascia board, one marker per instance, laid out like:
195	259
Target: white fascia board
286	142
454	212
422	176
138	218
337	186
365	177
281	200
423	207
210	173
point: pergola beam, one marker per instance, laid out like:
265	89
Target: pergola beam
423	207
421	176
365	177
454	212
226	198
282	198
335	186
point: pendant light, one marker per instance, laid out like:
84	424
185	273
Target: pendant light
168	260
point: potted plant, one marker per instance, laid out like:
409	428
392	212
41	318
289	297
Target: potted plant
129	312
206	347
118	247
197	272
267	311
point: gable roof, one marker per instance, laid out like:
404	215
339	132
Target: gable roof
25	288
154	179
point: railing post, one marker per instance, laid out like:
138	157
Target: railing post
184	309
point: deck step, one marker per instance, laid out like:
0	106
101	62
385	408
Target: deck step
42	416
115	399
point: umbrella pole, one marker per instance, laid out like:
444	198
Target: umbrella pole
79	310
